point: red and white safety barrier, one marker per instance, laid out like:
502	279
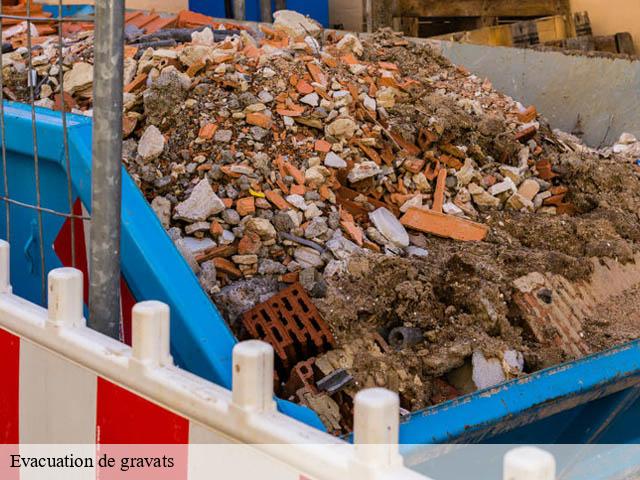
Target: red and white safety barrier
63	383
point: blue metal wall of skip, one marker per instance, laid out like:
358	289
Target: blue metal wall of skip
591	400
316	9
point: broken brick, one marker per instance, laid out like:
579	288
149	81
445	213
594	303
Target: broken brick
259	119
275	198
245	206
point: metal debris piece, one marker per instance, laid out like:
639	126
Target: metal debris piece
335	381
404	337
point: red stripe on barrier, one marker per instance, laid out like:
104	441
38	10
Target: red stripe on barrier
124	417
62	247
9	387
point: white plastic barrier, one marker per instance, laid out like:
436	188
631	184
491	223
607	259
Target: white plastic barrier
73	385
63	383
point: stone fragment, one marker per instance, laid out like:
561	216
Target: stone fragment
238	297
505	186
208	277
387	224
315	176
513	173
451	208
201	204
151	144
466	173
198	245
231	216
295	24
341	128
350	43
223	136
262	227
317	227
308	257
197	227
482	198
271	267
519	202
334	161
341	247
486	372
311	99
226	238
386	97
363	170
297	201
203	37
529	189
412	250
162	208
79	78
369	103
413	202
245	259
312	211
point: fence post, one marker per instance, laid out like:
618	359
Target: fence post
265	11
150	333
376	426
529	463
253	376
5	267
104	291
65	298
239	9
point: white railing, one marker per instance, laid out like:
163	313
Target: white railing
247	414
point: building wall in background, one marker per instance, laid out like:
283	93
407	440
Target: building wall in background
612	16
349	13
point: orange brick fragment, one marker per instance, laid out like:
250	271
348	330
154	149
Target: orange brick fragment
259	119
317	74
216	229
246	206
275	198
353	231
136	83
529	115
291	277
130	51
451	162
322	146
252	52
297	175
195	67
226	266
438	195
207	131
303	87
298	190
444	225
325	193
228	202
349	59
388	66
249	244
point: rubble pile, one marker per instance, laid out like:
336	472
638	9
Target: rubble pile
401	193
